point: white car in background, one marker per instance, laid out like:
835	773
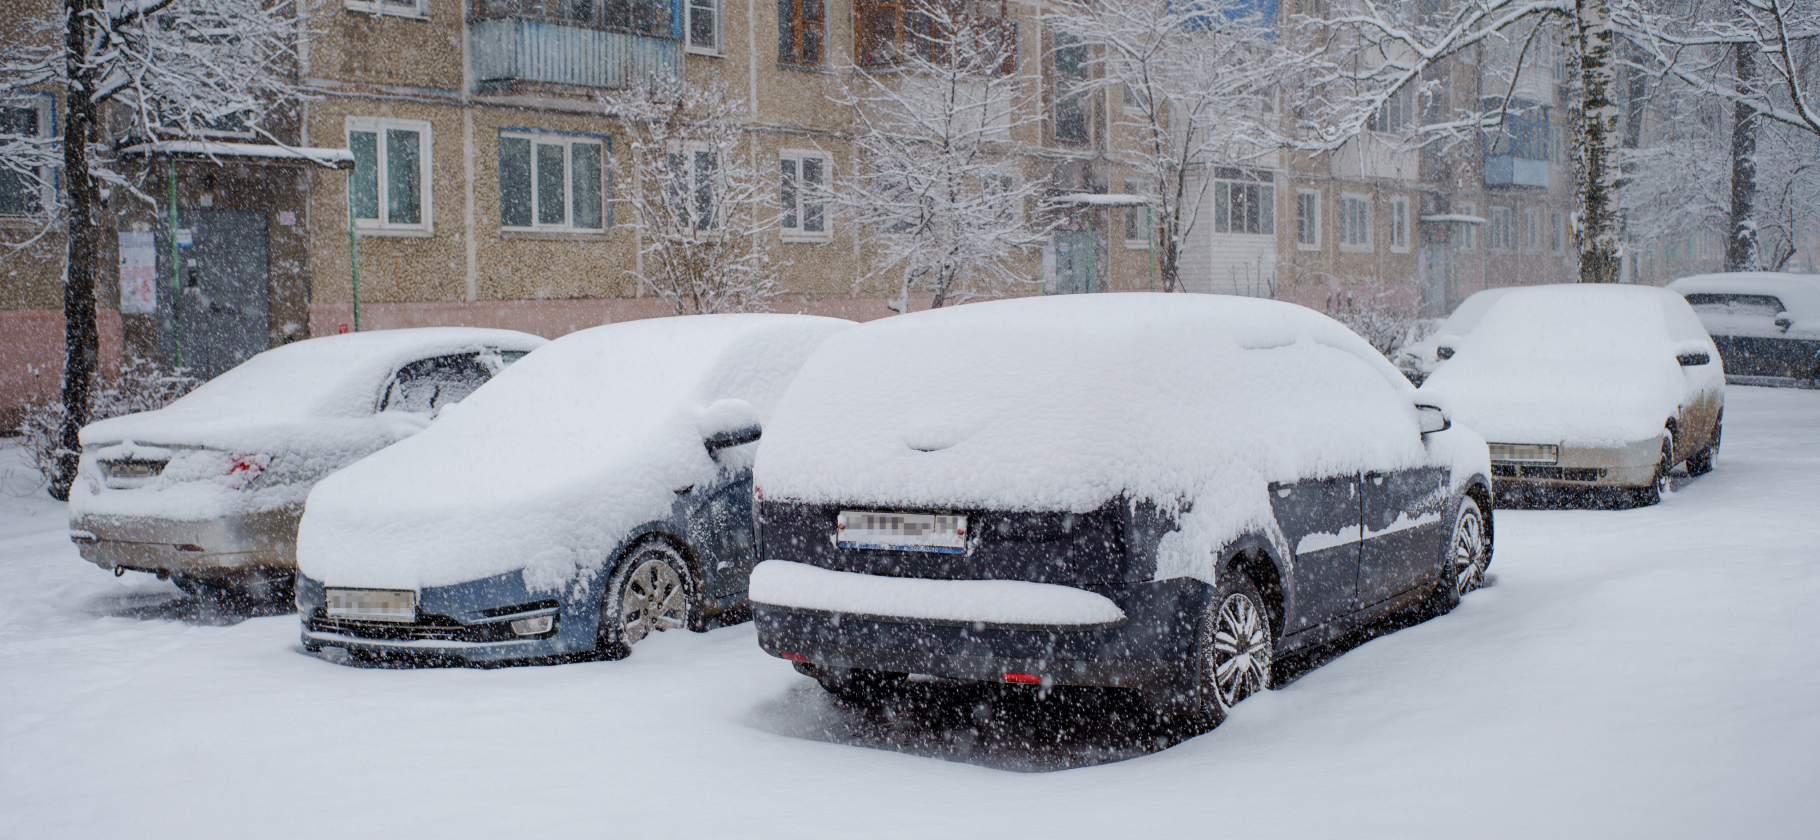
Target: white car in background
208	490
1580	386
1766	325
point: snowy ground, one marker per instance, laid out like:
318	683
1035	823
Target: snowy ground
1646	673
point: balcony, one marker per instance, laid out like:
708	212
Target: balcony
520	48
1513	171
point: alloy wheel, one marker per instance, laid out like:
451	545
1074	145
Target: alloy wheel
1241	650
654	599
1468	551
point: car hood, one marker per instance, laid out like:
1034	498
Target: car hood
1610	403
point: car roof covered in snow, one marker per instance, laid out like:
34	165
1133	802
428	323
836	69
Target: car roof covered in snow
336	376
546	467
1059	403
1799	293
1588	364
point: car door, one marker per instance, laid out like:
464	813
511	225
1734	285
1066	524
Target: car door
1320	518
720	530
1404	523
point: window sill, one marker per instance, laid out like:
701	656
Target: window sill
375	10
808	238
705	52
1402	250
402	233
1136	245
555	235
1357	249
1303	246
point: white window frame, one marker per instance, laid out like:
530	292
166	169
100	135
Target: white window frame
1310	201
419	9
717	11
1359	203
795	233
568	142
1002	183
425	186
1138	186
1399	224
1396	115
1501	237
45	104
1469	235
693	184
1267	221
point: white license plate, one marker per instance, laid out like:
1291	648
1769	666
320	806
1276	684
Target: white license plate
1525	453
373	604
901	531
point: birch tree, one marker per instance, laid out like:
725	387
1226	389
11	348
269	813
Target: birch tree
703	206
142	68
1200	80
934	186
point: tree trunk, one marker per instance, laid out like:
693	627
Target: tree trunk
1741	243
80	336
1600	225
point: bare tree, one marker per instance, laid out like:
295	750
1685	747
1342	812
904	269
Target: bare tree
143	68
1201	79
703	207
935	186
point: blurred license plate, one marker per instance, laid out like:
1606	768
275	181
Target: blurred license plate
1528	453
373	604
902	531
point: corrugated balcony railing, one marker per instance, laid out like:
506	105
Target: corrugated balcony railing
1513	171
516	49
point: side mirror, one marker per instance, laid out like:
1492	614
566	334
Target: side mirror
1432	419
1693	359
728	423
1784	323
731	438
1442	354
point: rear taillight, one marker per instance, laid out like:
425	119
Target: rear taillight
795	657
242	469
1023	679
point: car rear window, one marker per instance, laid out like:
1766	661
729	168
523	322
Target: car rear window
430	384
1711	303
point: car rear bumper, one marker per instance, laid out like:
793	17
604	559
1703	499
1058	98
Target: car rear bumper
256	540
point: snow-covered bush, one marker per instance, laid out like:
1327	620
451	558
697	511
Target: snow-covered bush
141	385
1387	324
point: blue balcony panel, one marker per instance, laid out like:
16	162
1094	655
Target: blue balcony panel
1513	171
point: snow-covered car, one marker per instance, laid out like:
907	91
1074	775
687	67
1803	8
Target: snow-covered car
1766	326
597	492
1153	492
1581	386
207	491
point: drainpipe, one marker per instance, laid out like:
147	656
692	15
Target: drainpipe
353	252
170	181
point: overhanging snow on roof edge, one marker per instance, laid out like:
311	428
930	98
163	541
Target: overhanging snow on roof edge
1102	199
1453	217
336	158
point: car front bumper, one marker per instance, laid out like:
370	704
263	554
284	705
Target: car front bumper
463	623
244	542
1151	651
1630	465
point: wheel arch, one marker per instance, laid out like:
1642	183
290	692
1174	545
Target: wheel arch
1479	490
1252	557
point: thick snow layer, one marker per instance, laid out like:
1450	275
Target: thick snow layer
1799	295
297	412
548	466
1060	403
1632	673
801	586
1580	365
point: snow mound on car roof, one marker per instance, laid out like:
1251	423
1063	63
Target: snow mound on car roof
1586	365
1061	403
550	465
297	389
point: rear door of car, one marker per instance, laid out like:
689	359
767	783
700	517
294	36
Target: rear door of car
1405	522
1320	518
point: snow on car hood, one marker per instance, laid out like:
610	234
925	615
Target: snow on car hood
298	411
1060	403
550	465
1579	365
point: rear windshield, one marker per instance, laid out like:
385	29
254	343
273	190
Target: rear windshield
1712	303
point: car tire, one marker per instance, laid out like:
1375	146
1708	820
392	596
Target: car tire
1234	647
1701	463
861	687
1646	496
1463	561
651	590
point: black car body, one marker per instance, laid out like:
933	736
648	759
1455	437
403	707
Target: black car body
1337	549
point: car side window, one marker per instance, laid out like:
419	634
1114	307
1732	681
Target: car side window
1762	306
429	384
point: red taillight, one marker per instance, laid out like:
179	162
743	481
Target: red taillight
795	657
1024	679
187	547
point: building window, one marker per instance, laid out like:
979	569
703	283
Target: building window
693	188
1468	232
801	28
1308	220
701	22
25	193
1396	114
1244	207
1069	122
390	185
1554	232
885	31
1399	224
1140	219
803	196
1355	222
552	182
1502	237
407	8
1532	229
994	186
